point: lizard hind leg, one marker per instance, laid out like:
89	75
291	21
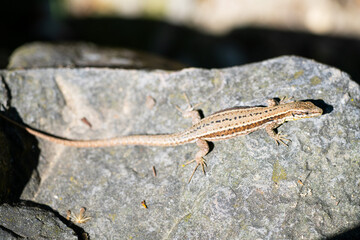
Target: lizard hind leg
190	111
273	102
204	149
286	99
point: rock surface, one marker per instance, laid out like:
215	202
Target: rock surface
80	54
253	189
32	221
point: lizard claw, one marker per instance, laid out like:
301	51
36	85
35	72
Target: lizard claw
279	138
190	111
201	161
285	99
190	107
179	109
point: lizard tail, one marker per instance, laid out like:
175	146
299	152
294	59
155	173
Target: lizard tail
144	140
147	140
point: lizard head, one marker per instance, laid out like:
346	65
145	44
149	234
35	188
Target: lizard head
303	110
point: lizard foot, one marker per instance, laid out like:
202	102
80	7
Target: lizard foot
285	99
273	102
279	138
190	111
199	161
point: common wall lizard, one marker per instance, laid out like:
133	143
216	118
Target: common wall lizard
221	125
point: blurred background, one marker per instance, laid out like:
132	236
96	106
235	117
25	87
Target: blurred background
197	33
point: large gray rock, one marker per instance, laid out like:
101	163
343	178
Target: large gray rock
27	220
253	189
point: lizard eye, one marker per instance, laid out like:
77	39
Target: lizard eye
296	114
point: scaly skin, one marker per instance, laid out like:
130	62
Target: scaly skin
225	124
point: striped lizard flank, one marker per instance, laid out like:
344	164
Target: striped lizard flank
221	125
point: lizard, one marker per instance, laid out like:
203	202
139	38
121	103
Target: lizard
221	125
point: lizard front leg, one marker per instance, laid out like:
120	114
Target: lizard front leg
270	129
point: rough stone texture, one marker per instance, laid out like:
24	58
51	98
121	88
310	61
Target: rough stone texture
45	55
253	189
32	221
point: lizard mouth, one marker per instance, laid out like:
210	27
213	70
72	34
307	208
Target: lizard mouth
316	113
